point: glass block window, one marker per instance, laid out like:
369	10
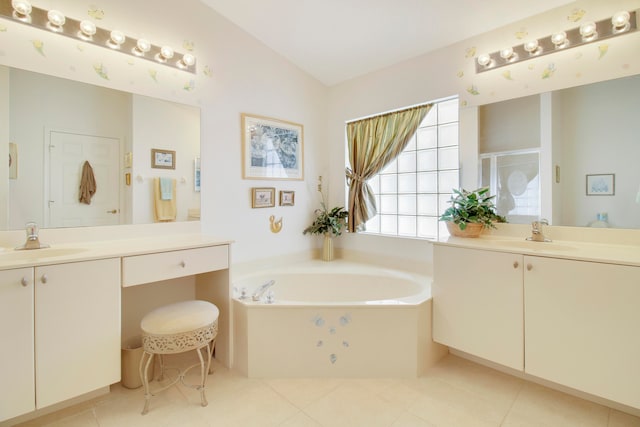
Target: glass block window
414	190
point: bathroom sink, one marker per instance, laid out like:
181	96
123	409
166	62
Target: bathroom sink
32	254
532	246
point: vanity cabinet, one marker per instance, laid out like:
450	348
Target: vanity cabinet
60	328
477	303
582	321
574	323
17	382
77	328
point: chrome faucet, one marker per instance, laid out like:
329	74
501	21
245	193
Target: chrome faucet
33	241
536	231
261	290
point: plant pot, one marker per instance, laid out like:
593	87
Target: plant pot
327	248
471	230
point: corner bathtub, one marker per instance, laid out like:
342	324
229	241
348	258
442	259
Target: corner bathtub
336	319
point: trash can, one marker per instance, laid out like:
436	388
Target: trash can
131	355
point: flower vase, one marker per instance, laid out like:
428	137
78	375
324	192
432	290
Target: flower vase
327	248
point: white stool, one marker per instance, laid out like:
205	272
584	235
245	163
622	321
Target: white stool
178	328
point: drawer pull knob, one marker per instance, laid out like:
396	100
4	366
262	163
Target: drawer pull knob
183	264
529	267
24	281
44	278
515	264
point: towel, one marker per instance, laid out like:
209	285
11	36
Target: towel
166	188
87	184
164	210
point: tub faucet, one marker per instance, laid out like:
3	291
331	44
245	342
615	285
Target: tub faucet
262	289
536	231
33	241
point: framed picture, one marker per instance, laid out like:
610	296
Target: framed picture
287	198
263	197
163	159
196	174
271	148
601	184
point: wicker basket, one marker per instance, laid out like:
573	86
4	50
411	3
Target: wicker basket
471	230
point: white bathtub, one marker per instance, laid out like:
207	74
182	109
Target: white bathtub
336	319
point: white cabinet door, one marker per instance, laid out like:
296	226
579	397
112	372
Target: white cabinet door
16	348
77	329
582	323
477	303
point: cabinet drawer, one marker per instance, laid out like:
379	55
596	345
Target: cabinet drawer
140	269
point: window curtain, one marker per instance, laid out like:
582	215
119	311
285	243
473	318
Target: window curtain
373	143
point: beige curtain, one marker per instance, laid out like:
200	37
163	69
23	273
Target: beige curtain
373	143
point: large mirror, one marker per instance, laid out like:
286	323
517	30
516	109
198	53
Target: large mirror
57	126
569	156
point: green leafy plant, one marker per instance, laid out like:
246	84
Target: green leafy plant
328	221
472	207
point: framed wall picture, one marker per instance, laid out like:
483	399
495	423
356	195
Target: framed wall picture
271	148
287	198
263	197
601	184
163	159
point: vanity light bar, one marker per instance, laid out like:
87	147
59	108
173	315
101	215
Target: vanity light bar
588	32
88	32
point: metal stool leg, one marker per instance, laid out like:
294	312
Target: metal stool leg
144	376
204	370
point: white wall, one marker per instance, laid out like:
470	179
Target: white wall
235	74
451	71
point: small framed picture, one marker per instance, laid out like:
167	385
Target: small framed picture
287	198
163	159
263	197
601	184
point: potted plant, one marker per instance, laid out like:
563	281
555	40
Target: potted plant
328	222
471	212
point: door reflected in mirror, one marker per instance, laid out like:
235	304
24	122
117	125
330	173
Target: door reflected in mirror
57	125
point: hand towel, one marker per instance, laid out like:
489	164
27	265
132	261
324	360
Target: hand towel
166	188
87	184
164	210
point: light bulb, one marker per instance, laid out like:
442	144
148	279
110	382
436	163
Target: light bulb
166	52
21	7
187	60
484	59
588	31
116	38
532	47
142	46
87	28
56	19
507	53
620	21
559	39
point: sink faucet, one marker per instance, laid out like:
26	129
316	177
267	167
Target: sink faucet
33	241
536	231
262	289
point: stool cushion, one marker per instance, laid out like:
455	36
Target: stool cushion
185	316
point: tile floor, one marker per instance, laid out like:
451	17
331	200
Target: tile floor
455	392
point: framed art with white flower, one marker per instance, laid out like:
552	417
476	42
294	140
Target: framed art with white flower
271	148
601	184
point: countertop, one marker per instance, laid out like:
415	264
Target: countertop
582	251
86	251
